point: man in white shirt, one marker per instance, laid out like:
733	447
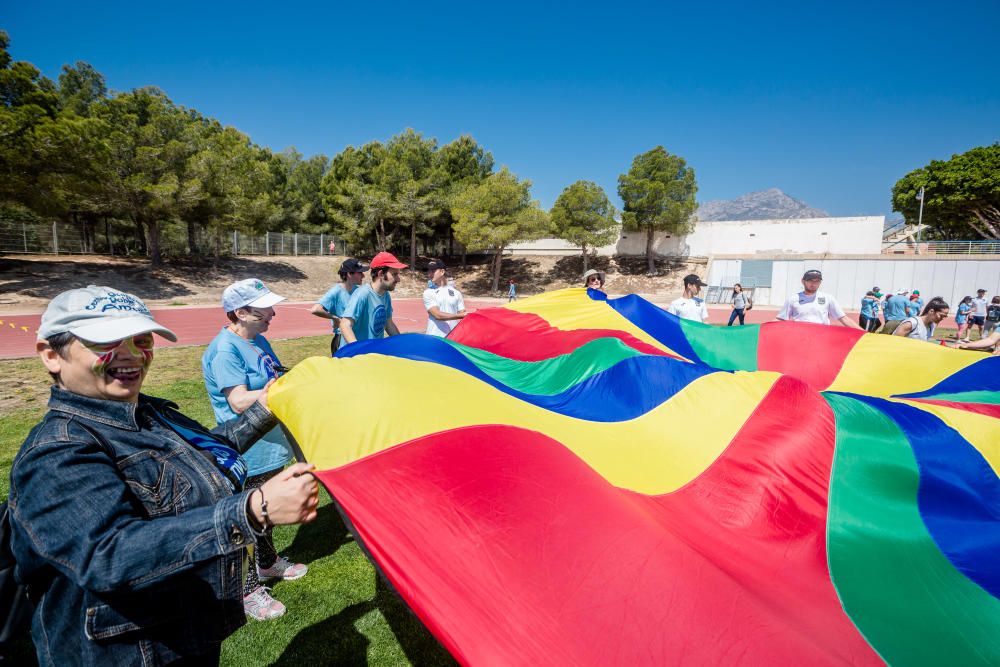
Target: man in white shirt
811	305
977	318
690	306
444	303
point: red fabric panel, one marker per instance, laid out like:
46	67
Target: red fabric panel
782	347
528	337
513	551
987	409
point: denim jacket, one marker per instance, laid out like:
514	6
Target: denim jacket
130	539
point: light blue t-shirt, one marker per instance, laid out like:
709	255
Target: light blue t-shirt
369	311
895	307
914	307
963	313
229	361
869	307
335	302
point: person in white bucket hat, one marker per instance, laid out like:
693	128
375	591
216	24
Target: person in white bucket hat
130	521
238	365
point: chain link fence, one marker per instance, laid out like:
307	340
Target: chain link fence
112	237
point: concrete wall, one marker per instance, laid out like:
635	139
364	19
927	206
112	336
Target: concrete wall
856	236
849	278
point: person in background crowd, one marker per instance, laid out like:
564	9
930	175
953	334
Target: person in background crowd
876	308
962	318
811	305
922	326
129	520
741	303
594	279
915	305
992	316
511	290
895	306
331	306
978	318
868	319
690	306
443	302
369	312
237	365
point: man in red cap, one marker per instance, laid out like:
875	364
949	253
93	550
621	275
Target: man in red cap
369	312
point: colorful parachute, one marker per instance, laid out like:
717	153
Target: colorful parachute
589	481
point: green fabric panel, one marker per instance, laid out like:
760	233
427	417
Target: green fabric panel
908	601
551	376
726	348
989	397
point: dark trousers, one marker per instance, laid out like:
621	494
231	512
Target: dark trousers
264	554
334	344
870	324
737	312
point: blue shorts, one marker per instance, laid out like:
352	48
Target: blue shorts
978	320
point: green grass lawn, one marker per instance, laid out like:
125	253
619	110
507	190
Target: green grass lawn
341	613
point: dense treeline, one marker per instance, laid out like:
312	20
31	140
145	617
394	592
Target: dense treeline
960	195
72	151
69	150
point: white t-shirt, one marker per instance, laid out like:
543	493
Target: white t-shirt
819	308
447	300
689	309
979	307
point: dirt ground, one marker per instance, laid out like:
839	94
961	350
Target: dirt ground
27	282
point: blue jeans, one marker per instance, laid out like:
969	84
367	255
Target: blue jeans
737	312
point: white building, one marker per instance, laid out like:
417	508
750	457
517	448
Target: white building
812	236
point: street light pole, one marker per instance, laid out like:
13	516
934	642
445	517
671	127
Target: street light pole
920	217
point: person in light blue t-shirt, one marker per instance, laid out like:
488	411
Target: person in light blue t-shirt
915	306
238	364
333	304
895	306
869	312
369	312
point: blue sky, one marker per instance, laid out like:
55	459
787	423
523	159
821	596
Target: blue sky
831	102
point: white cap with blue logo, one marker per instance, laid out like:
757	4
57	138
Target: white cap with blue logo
250	292
99	315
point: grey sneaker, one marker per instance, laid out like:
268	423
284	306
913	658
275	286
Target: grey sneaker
283	569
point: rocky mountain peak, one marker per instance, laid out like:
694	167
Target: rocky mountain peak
770	204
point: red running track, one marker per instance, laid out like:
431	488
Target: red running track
198	325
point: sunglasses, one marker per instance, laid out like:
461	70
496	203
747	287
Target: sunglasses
141	341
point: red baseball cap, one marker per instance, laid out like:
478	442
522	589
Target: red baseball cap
386	259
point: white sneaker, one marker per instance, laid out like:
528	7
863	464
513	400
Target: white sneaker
261	606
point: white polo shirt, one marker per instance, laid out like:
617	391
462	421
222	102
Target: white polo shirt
819	308
448	300
689	309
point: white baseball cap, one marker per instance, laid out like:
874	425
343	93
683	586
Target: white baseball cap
99	315
250	292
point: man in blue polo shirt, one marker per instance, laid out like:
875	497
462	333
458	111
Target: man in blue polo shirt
369	312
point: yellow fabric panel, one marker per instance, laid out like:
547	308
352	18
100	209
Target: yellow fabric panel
882	366
342	410
571	308
982	431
